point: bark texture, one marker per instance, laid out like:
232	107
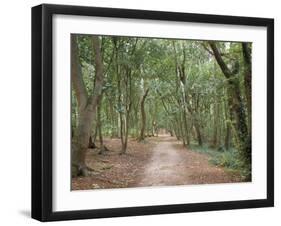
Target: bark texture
86	104
143	116
236	107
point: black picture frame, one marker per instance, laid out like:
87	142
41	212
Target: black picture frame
42	111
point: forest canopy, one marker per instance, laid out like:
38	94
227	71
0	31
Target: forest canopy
133	88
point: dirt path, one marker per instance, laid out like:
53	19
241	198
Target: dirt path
171	164
159	161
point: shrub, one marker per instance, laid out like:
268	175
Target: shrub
221	157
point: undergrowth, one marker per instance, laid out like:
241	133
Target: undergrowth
228	159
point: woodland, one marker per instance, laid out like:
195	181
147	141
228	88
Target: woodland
142	105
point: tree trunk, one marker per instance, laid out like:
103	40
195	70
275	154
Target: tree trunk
120	114
99	126
86	105
91	143
80	142
240	122
186	132
227	137
237	107
248	91
198	133
143	116
125	144
228	116
248	79
216	124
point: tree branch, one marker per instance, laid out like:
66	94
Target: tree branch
76	74
219	59
97	91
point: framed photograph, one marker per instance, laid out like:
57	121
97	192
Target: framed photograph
145	112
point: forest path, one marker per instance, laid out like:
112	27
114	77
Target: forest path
159	161
172	164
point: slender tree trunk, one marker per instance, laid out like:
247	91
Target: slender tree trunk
216	124
176	126
143	116
186	132
124	147
228	117
180	71
198	132
227	137
99	126
120	113
125	132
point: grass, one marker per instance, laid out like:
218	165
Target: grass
224	158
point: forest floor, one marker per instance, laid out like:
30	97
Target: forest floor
158	161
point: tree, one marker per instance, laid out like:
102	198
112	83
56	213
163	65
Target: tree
143	117
236	105
86	103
